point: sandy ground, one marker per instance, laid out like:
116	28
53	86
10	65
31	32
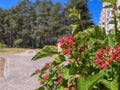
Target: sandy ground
18	69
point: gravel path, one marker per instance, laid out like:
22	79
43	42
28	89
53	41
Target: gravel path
19	67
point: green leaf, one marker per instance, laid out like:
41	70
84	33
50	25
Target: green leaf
118	37
91	35
114	85
74	28
118	15
110	1
118	7
92	80
40	88
59	60
81	83
66	73
61	88
111	40
45	52
82	37
88	82
108	6
111	22
98	33
18	41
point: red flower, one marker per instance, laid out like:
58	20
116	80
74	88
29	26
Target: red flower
37	71
41	82
69	51
60	75
99	53
59	78
104	66
46	77
70	85
110	60
64	52
98	61
116	51
67	89
47	65
118	58
107	49
78	59
70	62
62	45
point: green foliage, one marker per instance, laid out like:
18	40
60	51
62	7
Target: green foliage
88	60
18	41
79	12
98	33
37	23
89	82
108	6
111	85
45	52
60	59
74	28
110	1
41	88
2	45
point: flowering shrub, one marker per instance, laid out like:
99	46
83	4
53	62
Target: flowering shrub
87	60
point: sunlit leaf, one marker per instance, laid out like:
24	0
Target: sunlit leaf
59	60
74	28
45	52
114	85
110	1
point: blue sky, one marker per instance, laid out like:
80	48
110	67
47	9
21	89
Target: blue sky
95	7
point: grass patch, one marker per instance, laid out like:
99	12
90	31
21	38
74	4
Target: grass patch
12	50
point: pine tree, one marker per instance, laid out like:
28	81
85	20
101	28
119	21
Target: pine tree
39	23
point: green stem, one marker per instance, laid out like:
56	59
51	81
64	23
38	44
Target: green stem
112	73
81	23
75	59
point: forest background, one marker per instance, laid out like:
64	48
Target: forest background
35	24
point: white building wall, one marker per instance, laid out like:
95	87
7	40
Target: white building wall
106	18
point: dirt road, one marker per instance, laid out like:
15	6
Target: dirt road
19	67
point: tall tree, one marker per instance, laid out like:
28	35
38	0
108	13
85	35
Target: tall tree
43	14
56	22
39	23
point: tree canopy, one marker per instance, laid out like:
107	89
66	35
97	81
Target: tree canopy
39	23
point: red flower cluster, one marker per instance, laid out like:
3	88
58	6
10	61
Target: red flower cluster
105	57
59	78
67	44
